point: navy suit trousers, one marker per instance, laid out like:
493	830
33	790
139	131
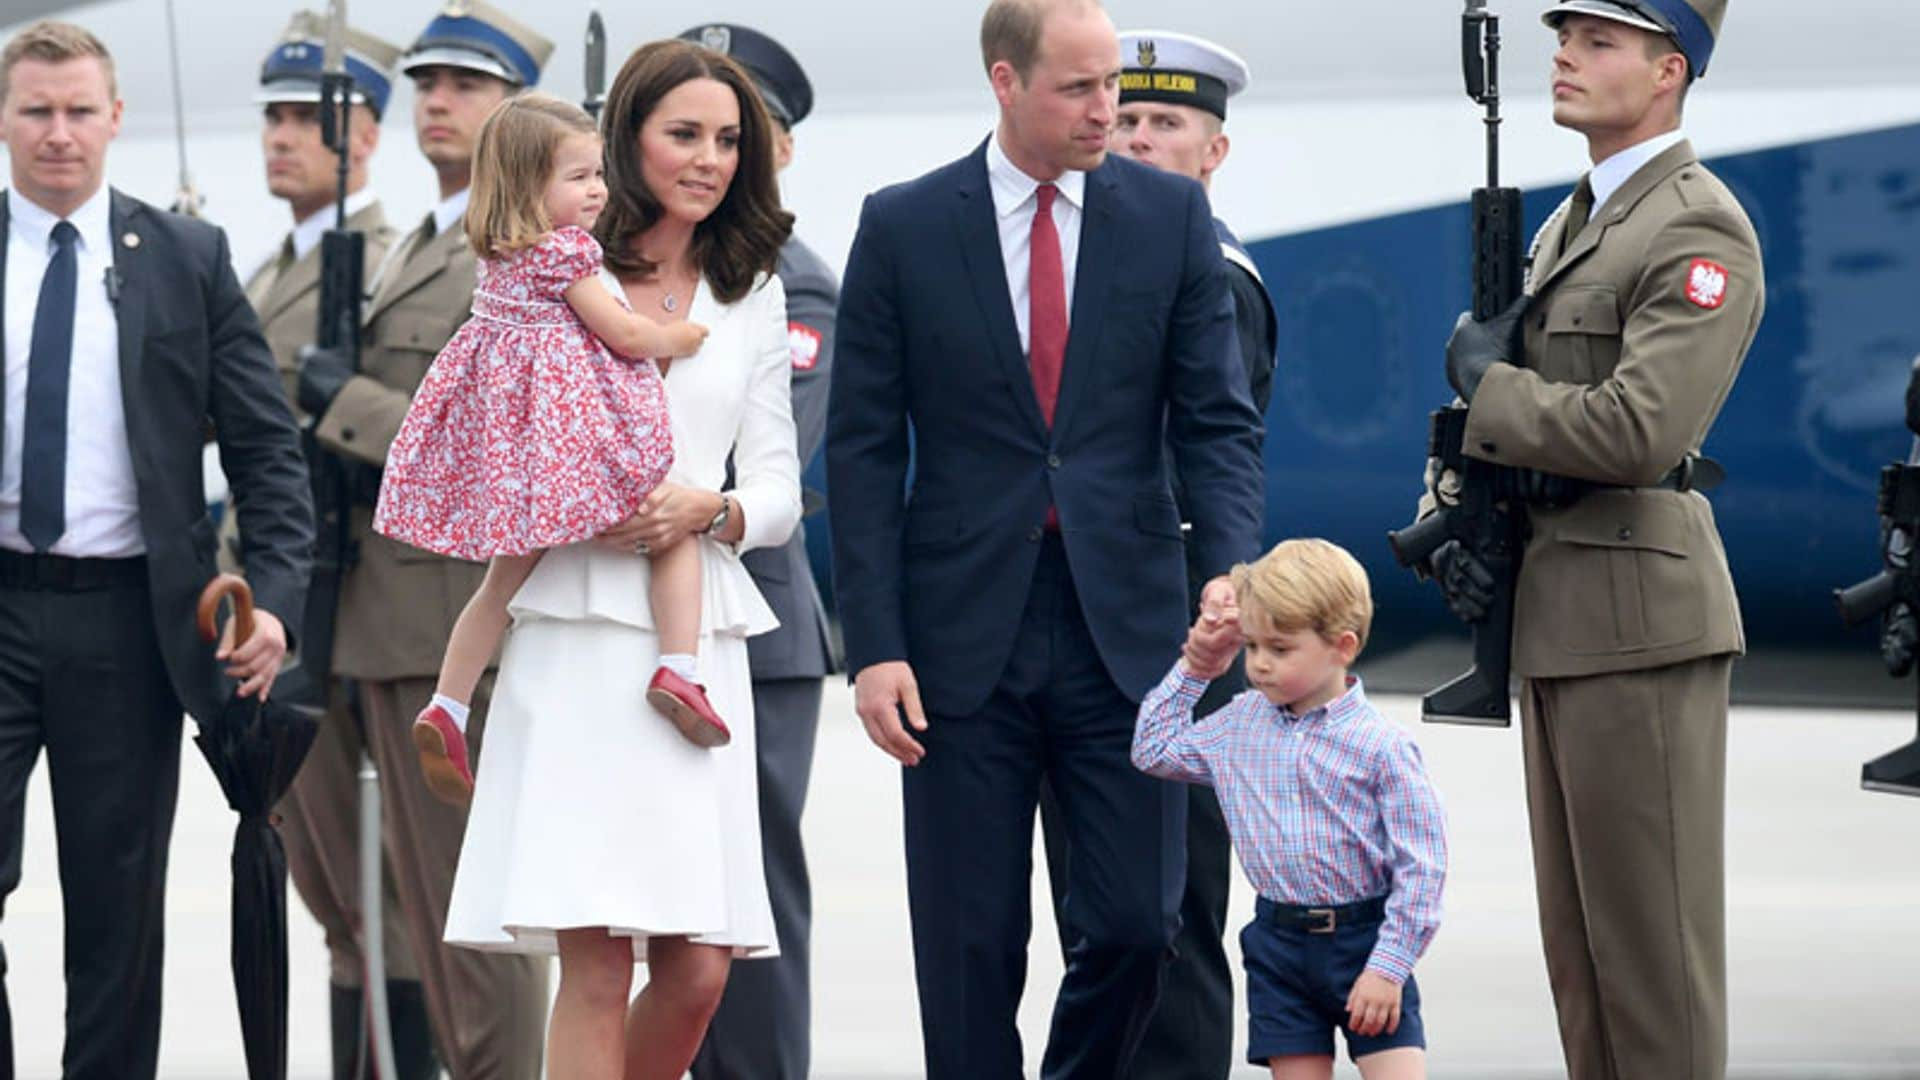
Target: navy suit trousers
1055	714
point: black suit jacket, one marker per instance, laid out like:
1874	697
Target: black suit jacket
929	359
191	354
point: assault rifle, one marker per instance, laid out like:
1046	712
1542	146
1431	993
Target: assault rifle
1893	593
1473	494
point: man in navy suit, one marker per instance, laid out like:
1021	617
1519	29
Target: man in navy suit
1039	325
126	338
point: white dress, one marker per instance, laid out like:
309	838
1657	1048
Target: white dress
590	809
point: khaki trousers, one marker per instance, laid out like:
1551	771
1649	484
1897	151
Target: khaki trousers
488	1011
320	823
1626	791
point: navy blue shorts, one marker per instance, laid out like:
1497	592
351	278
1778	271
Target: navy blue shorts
1297	987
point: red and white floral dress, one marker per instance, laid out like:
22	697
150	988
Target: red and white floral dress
526	432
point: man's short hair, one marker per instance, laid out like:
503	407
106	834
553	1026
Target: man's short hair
1307	585
1011	30
55	42
1659	47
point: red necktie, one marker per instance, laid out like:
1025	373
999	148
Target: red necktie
1047	300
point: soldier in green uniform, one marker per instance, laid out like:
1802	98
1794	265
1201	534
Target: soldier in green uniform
319	816
1646	290
398	604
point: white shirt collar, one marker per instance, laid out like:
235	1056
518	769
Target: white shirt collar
448	210
93	220
1610	175
306	234
1013	187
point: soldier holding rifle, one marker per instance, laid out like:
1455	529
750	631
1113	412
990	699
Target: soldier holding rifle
397	605
1646	291
318	814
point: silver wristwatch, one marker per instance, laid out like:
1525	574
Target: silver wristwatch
720	519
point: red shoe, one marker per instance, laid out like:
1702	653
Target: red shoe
685	703
443	756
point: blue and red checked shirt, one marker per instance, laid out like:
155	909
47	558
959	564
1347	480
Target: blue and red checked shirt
1325	809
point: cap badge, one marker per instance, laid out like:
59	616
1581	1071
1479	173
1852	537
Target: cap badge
1707	284
1147	57
459	9
717	38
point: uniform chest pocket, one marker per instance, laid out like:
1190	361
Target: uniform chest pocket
1582	335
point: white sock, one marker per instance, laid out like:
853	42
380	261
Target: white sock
454	709
681	664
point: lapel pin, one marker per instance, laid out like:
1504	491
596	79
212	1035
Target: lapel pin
131	239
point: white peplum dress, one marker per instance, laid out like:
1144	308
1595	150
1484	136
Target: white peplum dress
590	809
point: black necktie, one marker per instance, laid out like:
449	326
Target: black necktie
43	453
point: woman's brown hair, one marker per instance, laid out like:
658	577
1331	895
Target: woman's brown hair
512	164
741	239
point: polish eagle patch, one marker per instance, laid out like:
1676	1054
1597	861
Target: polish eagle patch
804	343
1707	284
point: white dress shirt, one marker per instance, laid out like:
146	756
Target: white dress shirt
1610	175
448	210
307	234
102	499
1014	203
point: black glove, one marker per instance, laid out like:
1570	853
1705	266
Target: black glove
322	373
1538	488
1899	632
1477	346
1464	580
1913	400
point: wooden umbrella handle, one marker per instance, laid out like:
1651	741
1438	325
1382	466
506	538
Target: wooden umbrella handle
220	586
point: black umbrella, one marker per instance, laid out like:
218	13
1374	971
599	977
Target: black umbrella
255	747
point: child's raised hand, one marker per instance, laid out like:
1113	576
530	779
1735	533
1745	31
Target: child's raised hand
685	338
1373	1007
1215	636
1218	597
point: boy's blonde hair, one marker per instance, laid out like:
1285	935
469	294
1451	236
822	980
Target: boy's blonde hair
1307	585
512	163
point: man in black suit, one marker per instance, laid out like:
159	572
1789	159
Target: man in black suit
1032	585
126	335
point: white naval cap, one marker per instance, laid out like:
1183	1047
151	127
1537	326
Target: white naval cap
1160	65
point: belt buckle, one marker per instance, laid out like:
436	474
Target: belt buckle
1330	920
1683	483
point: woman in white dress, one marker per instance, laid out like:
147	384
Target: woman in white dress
597	832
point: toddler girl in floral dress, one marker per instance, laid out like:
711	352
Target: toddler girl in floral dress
542	423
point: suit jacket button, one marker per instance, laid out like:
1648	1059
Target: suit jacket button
1053	461
346	434
1489	448
1625	533
1033	535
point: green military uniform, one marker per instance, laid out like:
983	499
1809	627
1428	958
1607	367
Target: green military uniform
1625	619
398	604
319	816
397	609
320	812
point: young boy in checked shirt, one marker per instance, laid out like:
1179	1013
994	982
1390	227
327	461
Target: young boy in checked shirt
1329	805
